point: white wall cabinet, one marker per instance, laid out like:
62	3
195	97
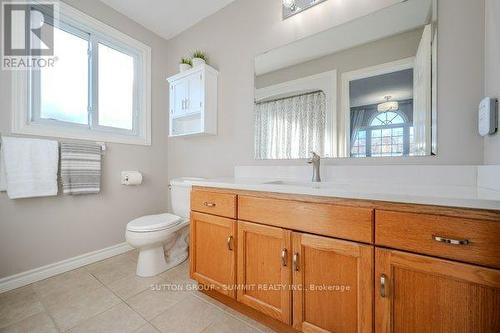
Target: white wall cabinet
193	102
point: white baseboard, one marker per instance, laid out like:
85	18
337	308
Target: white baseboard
41	273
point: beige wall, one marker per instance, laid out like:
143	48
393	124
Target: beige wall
233	36
40	231
492	73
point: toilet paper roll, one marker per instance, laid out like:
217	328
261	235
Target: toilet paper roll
131	178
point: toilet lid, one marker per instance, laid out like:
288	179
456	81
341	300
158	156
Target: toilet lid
154	222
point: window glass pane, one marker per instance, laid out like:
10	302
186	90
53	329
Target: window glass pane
387	142
64	87
359	145
116	88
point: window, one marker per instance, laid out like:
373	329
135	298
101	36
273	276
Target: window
359	144
387	134
98	89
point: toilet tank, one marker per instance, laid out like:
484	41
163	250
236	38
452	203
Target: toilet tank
180	196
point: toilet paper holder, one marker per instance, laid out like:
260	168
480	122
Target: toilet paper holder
131	178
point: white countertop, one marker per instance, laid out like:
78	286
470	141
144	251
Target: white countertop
441	195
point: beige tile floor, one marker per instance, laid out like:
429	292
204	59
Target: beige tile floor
108	297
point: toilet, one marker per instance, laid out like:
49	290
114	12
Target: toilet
162	239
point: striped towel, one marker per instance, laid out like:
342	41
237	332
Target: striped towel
80	168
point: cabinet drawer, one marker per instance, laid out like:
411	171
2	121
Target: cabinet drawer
325	219
222	204
474	241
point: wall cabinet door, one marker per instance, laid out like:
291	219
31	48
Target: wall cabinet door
416	293
264	269
333	285
179	97
213	246
196	93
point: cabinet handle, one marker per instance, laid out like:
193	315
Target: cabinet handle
296	262
451	241
383	291
229	241
284	255
182	104
187	103
209	204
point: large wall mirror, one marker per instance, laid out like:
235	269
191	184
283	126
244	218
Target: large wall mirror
366	88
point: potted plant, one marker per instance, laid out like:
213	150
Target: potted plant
185	64
199	58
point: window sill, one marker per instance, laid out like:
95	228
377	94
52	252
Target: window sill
80	134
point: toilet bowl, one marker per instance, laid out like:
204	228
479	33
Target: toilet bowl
162	239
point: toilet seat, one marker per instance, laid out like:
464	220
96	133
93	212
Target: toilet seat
150	223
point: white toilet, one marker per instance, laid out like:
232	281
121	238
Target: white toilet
162	240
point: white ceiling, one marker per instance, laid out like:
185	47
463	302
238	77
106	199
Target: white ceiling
387	22
372	90
167	18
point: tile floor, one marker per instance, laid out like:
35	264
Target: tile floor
107	296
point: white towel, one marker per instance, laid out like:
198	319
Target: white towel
30	167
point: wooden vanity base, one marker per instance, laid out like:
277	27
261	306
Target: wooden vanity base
339	263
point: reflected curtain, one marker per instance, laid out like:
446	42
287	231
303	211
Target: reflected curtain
356	123
290	127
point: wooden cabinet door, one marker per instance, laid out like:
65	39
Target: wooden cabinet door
213	245
333	285
264	269
416	293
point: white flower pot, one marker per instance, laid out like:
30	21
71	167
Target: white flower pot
198	62
184	67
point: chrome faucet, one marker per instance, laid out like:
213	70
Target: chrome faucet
315	161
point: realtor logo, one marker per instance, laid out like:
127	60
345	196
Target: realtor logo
27	34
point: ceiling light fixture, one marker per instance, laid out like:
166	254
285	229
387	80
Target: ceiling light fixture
388	105
292	7
290	4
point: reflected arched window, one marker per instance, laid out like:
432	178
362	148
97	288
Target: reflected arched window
386	134
387	118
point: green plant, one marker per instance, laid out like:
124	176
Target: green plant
186	61
199	54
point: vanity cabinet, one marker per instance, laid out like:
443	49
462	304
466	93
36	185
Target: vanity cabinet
193	102
264	273
333	285
213	252
423	294
337	265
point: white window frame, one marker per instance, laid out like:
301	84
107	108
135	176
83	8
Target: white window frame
363	73
26	120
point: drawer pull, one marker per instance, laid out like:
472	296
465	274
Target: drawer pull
383	291
451	241
209	204
296	262
229	243
284	255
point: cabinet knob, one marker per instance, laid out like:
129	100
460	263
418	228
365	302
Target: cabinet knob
284	257
450	240
296	262
383	282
